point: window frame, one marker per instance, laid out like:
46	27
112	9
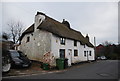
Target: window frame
90	53
75	52
62	41
75	42
28	39
85	53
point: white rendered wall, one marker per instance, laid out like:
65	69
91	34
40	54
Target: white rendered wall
69	44
39	44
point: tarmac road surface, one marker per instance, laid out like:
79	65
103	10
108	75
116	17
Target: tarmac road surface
102	69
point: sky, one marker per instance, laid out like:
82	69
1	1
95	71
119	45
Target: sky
97	19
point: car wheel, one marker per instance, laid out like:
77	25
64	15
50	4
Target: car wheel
6	67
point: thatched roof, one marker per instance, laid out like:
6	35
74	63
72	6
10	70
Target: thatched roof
59	29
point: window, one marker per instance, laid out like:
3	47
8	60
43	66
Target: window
62	53
62	41
14	54
90	53
75	43
85	53
39	20
28	39
75	52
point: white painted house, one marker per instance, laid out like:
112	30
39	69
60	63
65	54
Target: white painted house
47	39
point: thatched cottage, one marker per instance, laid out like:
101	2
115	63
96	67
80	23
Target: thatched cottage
47	39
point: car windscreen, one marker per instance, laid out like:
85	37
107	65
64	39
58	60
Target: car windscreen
14	54
21	54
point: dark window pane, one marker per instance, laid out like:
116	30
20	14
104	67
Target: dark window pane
75	43
75	52
85	53
90	53
28	39
14	54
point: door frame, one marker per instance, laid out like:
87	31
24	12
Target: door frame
69	57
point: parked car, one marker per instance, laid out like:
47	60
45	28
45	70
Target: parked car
19	59
98	58
101	58
6	61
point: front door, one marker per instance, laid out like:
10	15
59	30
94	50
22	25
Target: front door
69	56
62	53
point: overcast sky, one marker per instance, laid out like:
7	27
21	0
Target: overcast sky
97	19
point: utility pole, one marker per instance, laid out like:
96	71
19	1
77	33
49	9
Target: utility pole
95	47
94	41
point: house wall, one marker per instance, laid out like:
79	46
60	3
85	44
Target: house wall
42	43
92	57
69	44
38	46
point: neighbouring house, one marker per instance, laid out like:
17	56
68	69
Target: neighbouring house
100	50
111	51
47	39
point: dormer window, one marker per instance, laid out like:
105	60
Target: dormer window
62	41
39	20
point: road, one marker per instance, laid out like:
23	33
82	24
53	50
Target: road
103	69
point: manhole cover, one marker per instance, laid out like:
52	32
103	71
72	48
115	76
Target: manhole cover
104	74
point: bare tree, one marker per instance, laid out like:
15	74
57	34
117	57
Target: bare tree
16	29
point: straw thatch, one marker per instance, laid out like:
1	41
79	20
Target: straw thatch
60	29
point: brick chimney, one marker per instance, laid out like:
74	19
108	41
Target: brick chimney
87	37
